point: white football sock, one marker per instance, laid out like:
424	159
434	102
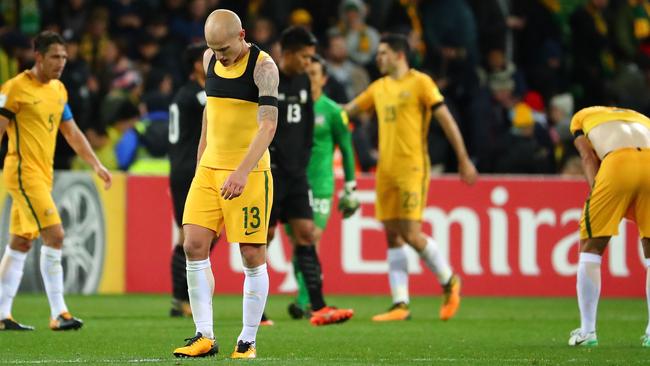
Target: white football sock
588	288
11	272
435	261
256	289
200	286
398	276
52	273
647	292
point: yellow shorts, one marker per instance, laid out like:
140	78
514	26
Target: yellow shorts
401	197
621	189
246	217
32	207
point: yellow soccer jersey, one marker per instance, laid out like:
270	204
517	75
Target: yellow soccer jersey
588	118
403	109
35	111
232	112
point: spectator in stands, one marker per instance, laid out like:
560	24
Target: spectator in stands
361	39
169	46
452	53
491	26
631	30
158	90
95	40
190	27
301	18
15	54
263	33
518	151
72	17
75	78
593	61
560	113
497	68
115	144
537	37
352	76
127	17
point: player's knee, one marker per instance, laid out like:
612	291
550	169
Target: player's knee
253	255
20	244
54	238
594	245
305	236
194	247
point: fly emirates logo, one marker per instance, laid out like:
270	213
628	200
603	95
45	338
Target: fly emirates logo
503	237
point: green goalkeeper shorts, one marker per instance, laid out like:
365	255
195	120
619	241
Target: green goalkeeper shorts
322	207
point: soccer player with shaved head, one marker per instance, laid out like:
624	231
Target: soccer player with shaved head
232	186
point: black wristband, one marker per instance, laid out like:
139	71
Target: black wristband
578	133
7	113
268	100
436	106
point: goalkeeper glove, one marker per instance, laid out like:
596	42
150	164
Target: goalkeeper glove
348	202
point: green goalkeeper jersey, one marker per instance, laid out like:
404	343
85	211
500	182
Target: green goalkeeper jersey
330	130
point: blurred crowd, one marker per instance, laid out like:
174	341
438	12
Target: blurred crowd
512	71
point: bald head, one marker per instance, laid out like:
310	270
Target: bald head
225	36
221	26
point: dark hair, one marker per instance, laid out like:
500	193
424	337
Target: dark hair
45	39
193	52
397	42
295	38
321	61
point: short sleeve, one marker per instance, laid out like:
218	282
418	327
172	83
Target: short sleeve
366	99
429	93
67	114
577	121
8	103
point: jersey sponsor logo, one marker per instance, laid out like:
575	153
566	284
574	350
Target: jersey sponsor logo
319	120
281	97
3	100
405	94
303	96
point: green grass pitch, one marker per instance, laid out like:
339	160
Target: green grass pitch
135	329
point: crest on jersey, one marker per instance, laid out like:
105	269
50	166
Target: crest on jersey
319	120
3	100
405	94
303	96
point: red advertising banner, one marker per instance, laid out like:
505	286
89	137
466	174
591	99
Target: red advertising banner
505	236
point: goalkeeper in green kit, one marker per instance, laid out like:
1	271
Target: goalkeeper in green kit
330	130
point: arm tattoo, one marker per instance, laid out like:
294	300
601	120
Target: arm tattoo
267	112
267	79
